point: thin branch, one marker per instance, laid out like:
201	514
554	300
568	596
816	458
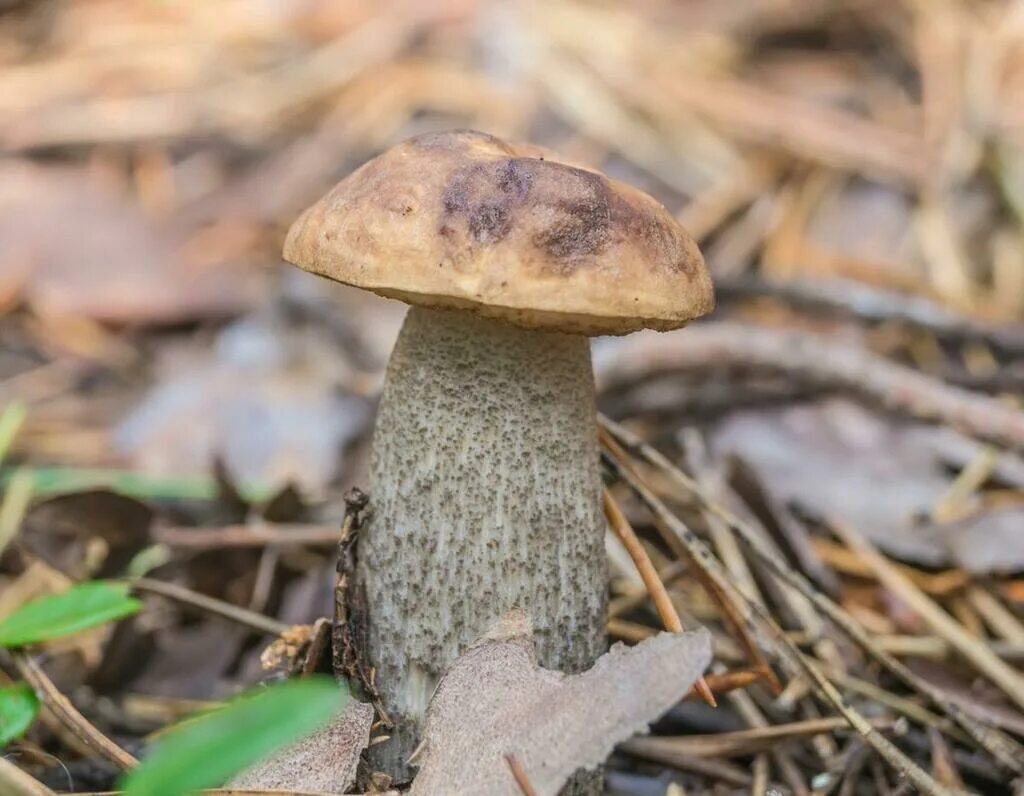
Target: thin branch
67	714
180	594
15	782
874	305
819	360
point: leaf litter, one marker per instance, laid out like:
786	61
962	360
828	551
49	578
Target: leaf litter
852	171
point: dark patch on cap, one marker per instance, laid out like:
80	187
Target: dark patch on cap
489	222
515	178
572	215
656	233
487	195
582	218
455	198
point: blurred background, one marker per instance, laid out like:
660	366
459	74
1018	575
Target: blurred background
153	154
852	169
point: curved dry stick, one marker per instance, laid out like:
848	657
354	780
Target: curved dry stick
67	714
873	305
816	359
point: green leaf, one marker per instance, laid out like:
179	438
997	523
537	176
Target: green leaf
11	421
60	480
207	751
19	707
77	609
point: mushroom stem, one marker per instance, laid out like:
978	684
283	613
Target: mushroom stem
485	496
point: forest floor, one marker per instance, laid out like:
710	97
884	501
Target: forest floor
845	433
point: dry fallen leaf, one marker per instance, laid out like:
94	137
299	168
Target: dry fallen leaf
325	762
74	246
988	543
92	533
268	401
496	701
839	460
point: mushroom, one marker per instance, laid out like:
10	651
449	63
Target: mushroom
485	486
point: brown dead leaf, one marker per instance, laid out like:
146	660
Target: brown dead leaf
93	533
191	661
325	762
496	701
837	459
267	401
990	543
73	246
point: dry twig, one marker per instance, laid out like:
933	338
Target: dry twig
15	782
873	305
242	616
819	360
1003	748
67	714
659	594
1005	677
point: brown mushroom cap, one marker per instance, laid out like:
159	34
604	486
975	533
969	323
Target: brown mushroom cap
464	220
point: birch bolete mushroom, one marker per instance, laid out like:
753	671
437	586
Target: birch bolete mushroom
484	485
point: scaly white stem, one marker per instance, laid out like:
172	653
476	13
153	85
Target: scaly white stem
485	495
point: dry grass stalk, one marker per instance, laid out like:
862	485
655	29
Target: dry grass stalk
1002	675
885	748
719	587
659	594
1001	746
